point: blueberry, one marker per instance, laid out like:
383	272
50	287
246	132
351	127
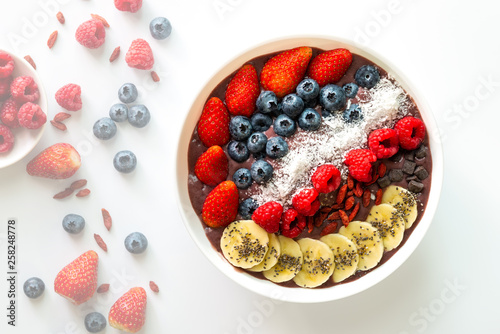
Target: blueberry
118	112
276	147
309	120
353	114
139	116
278	111
73	223
160	28
292	105
261	122
33	287
104	128
238	151
284	126
256	142
127	93
125	161
325	113
367	76
95	322
136	243
332	97
350	89
247	208
242	178
267	102
261	171
308	89
259	155
240	127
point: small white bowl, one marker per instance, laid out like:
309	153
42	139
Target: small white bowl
267	288
25	139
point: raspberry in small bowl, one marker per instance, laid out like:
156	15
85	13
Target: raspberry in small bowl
23	108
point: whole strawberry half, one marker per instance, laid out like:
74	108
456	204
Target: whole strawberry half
221	205
78	280
268	216
329	66
242	91
58	161
212	166
128	313
213	126
283	72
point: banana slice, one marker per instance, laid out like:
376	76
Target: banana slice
244	243
345	255
389	223
272	255
368	241
318	263
404	201
289	262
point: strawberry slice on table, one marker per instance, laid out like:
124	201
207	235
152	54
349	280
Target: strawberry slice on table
283	72
212	166
128	313
78	280
242	91
58	161
329	66
213	126
221	205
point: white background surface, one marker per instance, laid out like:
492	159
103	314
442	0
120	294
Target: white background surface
449	49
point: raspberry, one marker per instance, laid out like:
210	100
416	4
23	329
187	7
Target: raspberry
293	223
384	143
268	216
31	116
91	34
8	113
140	55
6	139
360	164
69	97
5	87
24	89
6	64
326	178
128	5
411	132
306	202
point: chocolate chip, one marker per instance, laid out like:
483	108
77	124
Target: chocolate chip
421	152
421	173
415	187
384	181
397	157
396	175
411	178
410	155
409	167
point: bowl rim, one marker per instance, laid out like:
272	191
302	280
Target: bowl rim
267	288
42	102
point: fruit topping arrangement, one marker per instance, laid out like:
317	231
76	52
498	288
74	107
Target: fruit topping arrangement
19	109
312	166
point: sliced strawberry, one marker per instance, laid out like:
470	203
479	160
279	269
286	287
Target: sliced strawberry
78	280
58	161
128	313
242	91
212	166
213	126
329	66
283	72
221	205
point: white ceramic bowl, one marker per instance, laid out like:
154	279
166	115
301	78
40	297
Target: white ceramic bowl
25	139
264	287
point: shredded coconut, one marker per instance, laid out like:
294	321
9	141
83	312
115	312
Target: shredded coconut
382	106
